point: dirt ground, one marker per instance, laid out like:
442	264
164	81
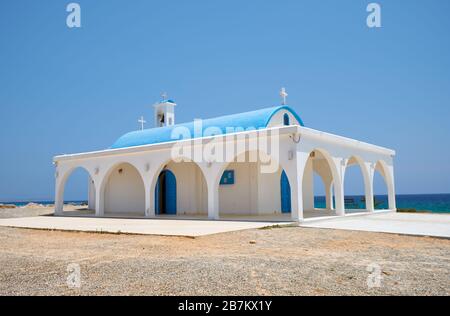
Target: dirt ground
277	261
285	261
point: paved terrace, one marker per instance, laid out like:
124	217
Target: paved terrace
419	224
141	226
436	225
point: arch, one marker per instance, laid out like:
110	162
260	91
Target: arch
61	188
189	187
287	109
122	191
320	191
253	192
321	163
356	202
166	193
382	168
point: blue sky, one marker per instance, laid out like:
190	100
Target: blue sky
73	90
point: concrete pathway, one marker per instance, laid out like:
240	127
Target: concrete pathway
165	227
421	224
437	225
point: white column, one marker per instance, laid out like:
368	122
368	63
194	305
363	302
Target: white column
368	183
308	186
59	197
340	202
212	173
213	199
369	198
91	194
295	175
99	201
391	188
329	195
339	186
149	199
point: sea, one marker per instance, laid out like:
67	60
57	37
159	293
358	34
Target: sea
433	203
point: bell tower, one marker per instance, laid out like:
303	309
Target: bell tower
164	112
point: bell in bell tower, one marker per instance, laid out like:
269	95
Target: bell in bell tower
165	112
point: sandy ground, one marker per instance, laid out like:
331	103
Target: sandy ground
37	211
277	261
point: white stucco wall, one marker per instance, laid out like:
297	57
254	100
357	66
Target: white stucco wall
253	193
269	193
242	196
278	119
192	195
124	192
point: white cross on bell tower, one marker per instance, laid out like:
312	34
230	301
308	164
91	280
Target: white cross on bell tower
283	95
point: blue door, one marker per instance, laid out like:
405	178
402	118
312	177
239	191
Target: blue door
285	193
166	193
171	193
158	196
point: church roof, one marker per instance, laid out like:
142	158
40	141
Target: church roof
254	119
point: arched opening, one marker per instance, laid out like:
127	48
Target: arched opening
78	192
181	189
286	119
355	190
166	194
320	201
247	189
382	187
124	192
318	186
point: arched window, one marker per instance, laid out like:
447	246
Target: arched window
286	119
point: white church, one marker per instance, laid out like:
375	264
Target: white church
256	165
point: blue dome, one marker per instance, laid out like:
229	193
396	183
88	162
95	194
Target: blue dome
254	119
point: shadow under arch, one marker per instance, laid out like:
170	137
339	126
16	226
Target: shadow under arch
321	163
250	191
186	192
122	190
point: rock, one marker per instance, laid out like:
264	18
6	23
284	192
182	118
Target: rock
7	206
33	205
